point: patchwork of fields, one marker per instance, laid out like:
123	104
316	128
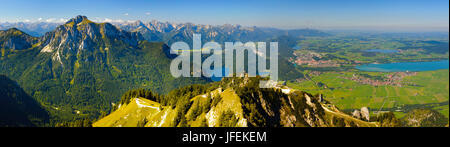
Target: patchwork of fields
428	89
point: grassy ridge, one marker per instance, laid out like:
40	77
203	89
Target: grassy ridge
233	103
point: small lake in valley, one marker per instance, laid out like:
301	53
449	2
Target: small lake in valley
405	66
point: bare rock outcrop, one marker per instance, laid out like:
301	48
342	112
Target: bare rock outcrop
365	113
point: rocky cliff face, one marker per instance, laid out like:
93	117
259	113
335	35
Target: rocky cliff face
80	34
363	114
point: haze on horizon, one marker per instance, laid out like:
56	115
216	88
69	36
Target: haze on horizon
373	15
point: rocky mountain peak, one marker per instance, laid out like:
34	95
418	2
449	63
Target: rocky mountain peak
139	23
80	34
78	19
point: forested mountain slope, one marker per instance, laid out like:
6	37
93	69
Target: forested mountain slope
17	108
233	102
81	68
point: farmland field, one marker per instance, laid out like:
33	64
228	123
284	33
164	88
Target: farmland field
423	88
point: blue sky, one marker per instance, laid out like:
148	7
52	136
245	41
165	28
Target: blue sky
411	15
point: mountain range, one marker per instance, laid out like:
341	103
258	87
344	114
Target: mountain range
35	29
170	32
157	31
81	68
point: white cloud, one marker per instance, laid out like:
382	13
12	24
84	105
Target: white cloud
109	20
50	20
126	14
148	13
55	20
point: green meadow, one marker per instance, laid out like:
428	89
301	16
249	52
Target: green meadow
425	89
